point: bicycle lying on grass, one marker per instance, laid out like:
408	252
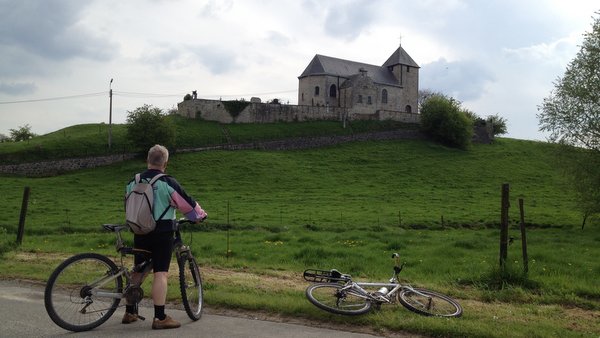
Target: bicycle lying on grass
85	290
338	293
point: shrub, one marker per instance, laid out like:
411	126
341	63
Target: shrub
235	107
498	124
445	121
23	133
147	126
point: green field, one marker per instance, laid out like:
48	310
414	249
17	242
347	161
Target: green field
349	207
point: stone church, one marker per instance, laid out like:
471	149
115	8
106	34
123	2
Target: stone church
330	89
362	89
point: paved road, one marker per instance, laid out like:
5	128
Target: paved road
23	315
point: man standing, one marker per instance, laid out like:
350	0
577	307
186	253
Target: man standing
168	196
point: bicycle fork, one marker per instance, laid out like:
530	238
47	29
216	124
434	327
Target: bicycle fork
184	251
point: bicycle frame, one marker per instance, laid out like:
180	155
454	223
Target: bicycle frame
359	288
123	270
179	249
337	293
95	285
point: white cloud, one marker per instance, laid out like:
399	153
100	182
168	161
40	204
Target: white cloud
496	56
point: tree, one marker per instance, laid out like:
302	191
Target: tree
23	133
572	111
572	116
147	126
446	121
424	94
498	124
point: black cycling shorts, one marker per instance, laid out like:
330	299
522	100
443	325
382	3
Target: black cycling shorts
161	246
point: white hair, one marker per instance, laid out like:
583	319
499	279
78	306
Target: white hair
158	155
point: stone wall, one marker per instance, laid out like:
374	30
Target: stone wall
51	168
214	110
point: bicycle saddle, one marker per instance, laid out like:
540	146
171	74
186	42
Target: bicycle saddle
114	227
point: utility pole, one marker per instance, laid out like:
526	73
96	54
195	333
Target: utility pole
110	114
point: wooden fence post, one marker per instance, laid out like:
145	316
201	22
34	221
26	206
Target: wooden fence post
399	218
504	226
523	237
228	253
21	229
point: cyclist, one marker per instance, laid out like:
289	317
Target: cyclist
168	195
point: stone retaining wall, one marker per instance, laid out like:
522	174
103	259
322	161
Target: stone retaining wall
51	168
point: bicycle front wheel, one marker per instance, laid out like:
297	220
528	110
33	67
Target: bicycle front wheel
429	303
333	298
83	292
190	283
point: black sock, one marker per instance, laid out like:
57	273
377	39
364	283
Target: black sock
131	308
159	312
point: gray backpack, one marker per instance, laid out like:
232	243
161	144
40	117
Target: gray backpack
139	204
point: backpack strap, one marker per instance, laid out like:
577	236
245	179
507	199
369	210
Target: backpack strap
152	181
155	178
138	178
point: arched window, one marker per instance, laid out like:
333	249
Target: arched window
332	91
384	96
316	90
408	109
359	98
302	97
369	101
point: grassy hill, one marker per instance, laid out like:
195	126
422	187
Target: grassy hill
401	183
92	139
346	207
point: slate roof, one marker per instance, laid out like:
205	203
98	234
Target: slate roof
400	56
326	65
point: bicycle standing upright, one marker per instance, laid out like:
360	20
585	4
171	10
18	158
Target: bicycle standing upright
85	290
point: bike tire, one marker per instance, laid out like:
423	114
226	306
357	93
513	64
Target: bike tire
330	297
435	304
67	292
190	283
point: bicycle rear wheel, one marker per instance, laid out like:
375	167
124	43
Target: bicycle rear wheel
331	297
71	298
190	283
429	303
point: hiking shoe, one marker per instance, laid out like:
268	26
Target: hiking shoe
129	318
167	323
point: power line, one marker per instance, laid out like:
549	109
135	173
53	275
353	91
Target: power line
139	95
144	95
56	98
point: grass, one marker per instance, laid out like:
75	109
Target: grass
92	139
263	273
347	207
408	183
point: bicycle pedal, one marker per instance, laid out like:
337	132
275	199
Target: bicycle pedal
141	317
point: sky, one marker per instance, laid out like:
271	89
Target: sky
57	57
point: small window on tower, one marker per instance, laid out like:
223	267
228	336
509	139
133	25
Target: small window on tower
317	91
